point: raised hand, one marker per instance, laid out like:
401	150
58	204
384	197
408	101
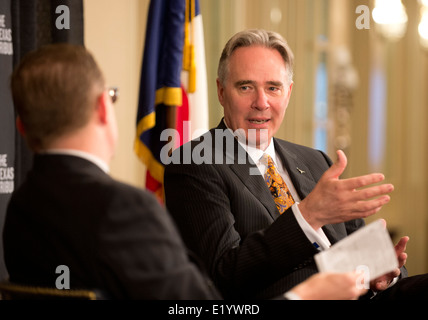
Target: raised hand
335	200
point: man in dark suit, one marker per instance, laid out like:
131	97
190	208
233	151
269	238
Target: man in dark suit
70	213
258	244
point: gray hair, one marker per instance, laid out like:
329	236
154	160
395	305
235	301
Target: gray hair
255	37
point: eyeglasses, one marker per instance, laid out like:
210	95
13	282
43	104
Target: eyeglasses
113	92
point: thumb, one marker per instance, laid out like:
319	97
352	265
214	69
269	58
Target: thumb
338	167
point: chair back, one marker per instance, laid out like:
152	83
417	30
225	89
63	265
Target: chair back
14	291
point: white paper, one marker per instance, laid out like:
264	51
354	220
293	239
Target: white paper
369	249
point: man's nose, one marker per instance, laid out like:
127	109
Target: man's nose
261	101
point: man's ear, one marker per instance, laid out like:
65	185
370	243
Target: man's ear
220	91
20	126
290	89
102	107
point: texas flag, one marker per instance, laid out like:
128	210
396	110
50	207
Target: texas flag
173	86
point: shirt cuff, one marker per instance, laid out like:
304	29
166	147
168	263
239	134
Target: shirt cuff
316	237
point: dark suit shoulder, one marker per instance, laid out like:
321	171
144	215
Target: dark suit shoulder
302	151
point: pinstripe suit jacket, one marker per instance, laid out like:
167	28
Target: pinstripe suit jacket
228	217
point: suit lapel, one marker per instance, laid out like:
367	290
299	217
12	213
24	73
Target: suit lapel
304	183
299	173
250	176
246	170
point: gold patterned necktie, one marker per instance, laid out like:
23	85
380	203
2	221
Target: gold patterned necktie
279	190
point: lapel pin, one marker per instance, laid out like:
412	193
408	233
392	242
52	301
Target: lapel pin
300	170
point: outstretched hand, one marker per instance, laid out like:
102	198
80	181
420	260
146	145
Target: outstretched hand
335	200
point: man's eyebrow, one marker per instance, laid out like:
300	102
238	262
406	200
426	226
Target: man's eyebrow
244	82
275	83
271	83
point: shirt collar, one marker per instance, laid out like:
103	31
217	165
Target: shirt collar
255	153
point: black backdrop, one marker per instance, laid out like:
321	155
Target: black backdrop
24	26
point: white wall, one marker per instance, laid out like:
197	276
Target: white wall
114	33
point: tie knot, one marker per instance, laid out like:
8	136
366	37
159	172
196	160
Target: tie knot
267	160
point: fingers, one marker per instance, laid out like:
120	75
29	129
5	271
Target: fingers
373	192
360	188
370	200
401	245
335	200
381	285
338	167
330	286
363	181
370	207
400	249
402	259
383	282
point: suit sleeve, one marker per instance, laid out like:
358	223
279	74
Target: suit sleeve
198	198
143	254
